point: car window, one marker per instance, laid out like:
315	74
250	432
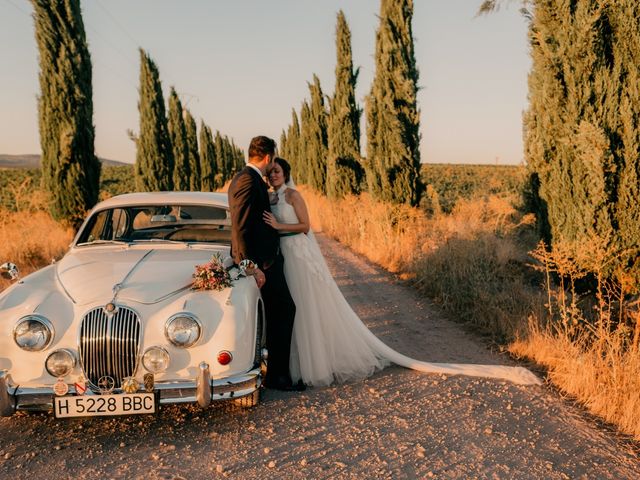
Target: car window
175	223
95	229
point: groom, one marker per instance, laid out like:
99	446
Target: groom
253	240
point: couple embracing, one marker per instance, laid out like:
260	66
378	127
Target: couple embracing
313	335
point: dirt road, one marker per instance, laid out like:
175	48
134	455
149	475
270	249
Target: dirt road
396	424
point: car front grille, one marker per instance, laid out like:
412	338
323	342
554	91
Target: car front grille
109	344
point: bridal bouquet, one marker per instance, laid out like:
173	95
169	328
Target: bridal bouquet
212	275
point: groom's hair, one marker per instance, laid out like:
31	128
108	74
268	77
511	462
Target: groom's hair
261	146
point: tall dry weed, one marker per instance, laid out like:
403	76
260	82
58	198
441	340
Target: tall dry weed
31	240
588	338
603	375
475	262
470	261
389	235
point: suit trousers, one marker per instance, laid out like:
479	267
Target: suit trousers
280	312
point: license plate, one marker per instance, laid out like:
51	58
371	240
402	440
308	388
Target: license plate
98	405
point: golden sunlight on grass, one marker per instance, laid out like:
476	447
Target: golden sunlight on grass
602	375
470	261
475	263
31	240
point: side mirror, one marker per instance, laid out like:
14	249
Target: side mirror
9	271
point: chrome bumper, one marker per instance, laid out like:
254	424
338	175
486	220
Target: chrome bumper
202	390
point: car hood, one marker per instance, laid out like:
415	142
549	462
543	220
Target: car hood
140	275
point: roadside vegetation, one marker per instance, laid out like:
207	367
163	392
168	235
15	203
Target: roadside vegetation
478	257
482	262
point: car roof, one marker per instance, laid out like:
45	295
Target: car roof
165	198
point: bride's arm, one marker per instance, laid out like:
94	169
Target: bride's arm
301	212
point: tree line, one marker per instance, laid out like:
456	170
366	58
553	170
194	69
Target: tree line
582	131
169	153
323	140
582	126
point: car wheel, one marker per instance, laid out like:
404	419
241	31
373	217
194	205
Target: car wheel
248	401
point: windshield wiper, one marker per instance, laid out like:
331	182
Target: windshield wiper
102	242
158	240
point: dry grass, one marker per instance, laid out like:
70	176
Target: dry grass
389	236
476	263
603	375
29	237
470	261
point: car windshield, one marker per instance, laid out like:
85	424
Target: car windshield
158	223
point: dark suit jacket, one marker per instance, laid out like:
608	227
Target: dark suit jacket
251	237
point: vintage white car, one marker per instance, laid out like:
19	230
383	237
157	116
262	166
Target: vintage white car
115	327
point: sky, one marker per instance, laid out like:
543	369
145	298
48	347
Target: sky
241	66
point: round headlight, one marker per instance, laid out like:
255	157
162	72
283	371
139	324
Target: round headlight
33	333
183	330
60	363
155	359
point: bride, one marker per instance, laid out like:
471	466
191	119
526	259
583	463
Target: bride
330	343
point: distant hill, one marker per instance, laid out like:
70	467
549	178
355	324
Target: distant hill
33	161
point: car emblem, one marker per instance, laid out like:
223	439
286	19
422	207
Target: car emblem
106	384
60	388
81	386
130	385
148	382
110	308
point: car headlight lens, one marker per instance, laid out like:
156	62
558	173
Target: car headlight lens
33	333
60	363
183	330
155	359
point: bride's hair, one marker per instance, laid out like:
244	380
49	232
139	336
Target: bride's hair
286	168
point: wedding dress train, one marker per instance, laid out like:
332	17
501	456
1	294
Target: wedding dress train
330	343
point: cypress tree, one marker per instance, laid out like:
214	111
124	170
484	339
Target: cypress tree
208	168
228	159
306	132
344	172
626	140
293	144
192	147
317	148
393	118
154	157
237	159
283	148
70	168
221	173
178	137
240	159
582	129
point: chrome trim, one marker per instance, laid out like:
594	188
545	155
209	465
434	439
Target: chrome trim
7	400
120	284
43	320
109	344
169	392
70	352
182	314
64	289
203	385
159	348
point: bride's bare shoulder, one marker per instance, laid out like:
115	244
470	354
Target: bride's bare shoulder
292	194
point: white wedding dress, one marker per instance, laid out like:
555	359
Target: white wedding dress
330	343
